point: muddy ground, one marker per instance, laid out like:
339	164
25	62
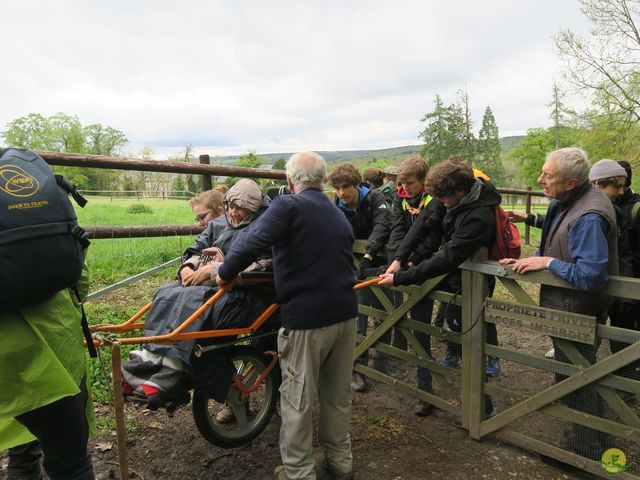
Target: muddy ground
389	443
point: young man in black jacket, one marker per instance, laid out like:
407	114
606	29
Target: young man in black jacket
469	223
368	214
409	245
626	313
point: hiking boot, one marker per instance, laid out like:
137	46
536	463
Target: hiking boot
279	473
358	382
423	409
551	353
226	415
325	472
493	367
451	360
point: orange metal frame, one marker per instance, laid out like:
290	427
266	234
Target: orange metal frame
177	335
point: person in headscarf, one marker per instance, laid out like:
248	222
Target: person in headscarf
156	372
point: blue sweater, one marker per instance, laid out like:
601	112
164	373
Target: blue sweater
312	245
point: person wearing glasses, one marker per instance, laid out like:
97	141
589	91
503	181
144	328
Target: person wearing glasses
208	210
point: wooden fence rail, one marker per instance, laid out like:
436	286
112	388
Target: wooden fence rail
204	169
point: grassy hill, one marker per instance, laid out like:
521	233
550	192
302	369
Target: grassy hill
341	156
362	158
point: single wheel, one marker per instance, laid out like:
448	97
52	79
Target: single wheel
243	416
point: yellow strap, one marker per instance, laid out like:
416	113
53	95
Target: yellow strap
423	203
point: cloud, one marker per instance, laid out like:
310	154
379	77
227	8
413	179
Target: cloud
279	75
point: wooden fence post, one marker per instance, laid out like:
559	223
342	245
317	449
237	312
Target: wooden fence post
206	179
527	228
474	292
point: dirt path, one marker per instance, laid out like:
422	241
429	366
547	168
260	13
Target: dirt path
389	442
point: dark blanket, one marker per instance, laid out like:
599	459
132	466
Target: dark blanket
173	304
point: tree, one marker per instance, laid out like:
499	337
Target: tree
531	154
104	140
30	132
443	133
247	160
488	159
609	63
468	143
279	164
558	111
193	183
65	133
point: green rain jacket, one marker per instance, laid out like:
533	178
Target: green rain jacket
42	359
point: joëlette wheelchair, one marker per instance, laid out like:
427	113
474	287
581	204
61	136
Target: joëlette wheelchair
253	393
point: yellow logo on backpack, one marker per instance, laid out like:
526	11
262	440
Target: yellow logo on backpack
16	182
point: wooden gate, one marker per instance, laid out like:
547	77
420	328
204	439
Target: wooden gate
533	406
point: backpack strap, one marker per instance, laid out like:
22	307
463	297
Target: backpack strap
81	235
71	190
634	213
93	353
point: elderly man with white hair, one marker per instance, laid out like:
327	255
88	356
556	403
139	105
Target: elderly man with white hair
312	262
579	244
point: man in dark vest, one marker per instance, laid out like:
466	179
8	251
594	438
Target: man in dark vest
579	245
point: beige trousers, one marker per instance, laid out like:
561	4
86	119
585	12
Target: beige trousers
317	361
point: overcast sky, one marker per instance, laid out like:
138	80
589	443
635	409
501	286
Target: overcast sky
279	76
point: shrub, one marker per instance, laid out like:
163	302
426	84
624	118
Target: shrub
139	208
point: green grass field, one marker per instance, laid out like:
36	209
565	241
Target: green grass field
111	260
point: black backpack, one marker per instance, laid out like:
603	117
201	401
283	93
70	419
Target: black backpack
41	244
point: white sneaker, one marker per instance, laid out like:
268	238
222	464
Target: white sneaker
550	354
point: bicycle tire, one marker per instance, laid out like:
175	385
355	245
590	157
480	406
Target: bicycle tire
249	363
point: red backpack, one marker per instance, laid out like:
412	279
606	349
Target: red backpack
507	242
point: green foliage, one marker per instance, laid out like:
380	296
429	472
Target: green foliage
252	160
248	160
32	132
194	185
489	148
444	132
139	208
65	133
76	175
102	140
178	186
279	164
531	153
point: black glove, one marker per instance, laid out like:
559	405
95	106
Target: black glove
365	264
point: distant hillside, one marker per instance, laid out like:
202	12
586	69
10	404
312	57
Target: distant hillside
509	143
341	156
361	158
